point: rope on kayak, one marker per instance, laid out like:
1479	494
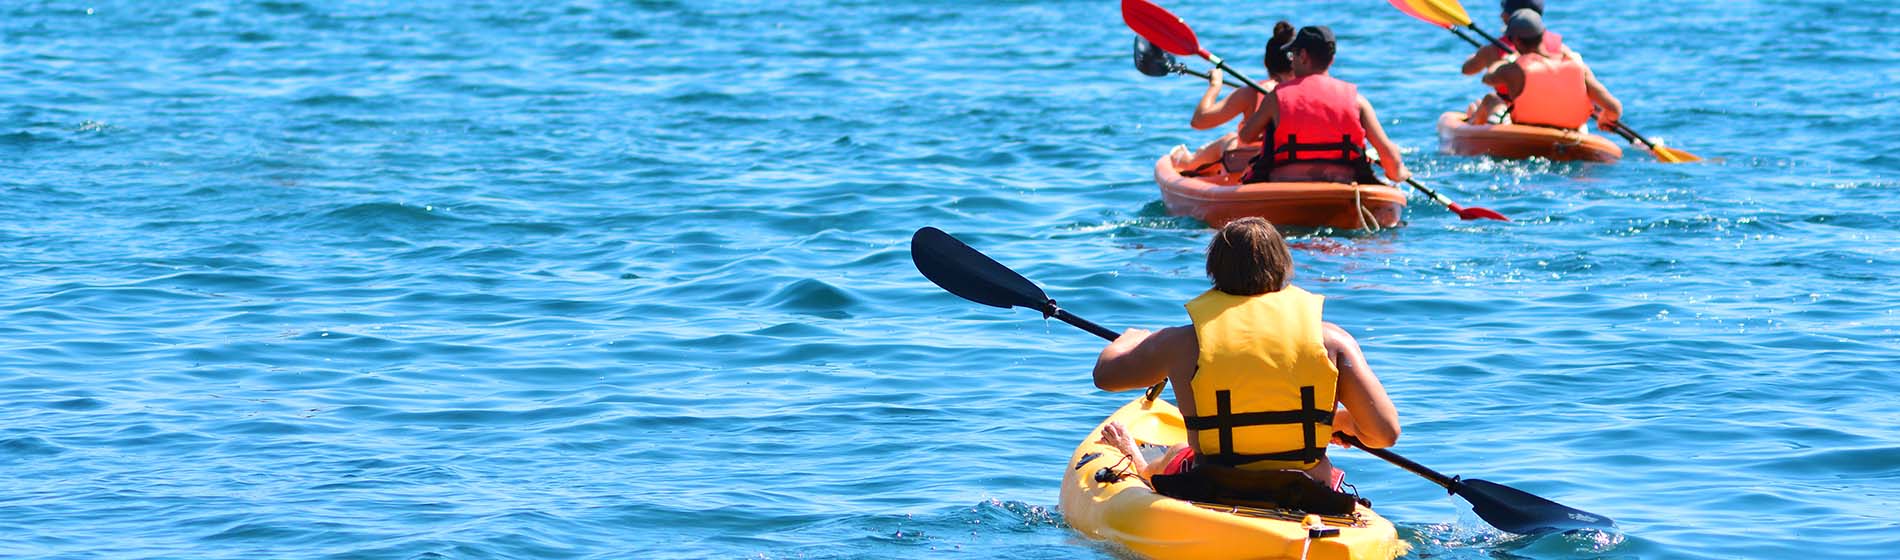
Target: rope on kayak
1367	221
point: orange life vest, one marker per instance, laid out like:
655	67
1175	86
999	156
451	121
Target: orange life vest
1552	43
1318	121
1554	92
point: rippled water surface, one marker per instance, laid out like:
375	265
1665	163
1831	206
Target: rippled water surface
631	279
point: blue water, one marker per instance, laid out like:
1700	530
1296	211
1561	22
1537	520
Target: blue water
631	279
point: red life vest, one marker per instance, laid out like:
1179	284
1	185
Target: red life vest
1554	92
1318	121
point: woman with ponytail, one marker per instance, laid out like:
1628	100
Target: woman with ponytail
1214	111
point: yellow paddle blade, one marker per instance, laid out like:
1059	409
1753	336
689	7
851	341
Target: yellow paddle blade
1418	10
1444	10
1671	155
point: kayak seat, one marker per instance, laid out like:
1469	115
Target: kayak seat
1282	489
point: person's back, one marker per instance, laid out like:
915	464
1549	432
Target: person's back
1317	133
1489	54
1553	92
1258	375
1263	387
1546	88
1320	124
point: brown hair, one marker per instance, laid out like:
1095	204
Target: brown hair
1248	257
1276	57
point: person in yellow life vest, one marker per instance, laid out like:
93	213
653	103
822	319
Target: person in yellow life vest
1230	150
1321	125
1545	88
1260	379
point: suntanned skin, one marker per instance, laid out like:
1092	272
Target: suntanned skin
1139	358
1389	158
1214	111
1490	54
1510	77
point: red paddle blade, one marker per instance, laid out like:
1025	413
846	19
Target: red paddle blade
1477	212
1160	27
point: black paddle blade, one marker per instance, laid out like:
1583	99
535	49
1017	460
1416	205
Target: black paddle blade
1516	511
1150	59
971	275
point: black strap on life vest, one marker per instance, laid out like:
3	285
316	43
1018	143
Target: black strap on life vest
1224	420
1293	148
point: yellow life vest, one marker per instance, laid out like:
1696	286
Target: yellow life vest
1265	388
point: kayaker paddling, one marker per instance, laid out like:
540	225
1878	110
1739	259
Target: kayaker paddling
1490	54
1545	87
1321	125
1231	150
1261	380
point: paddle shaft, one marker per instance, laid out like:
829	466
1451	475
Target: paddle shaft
1627	132
1065	316
1431	193
1203	75
1154	391
1222	64
1436	477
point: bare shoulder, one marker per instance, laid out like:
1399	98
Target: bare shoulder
1177	339
1336	338
1333	330
1180	347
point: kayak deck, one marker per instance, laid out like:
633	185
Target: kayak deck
1219	199
1127	512
1516	141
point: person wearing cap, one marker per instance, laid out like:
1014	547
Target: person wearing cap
1230	150
1321	125
1491	54
1545	88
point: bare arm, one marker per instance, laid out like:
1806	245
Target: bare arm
1372	418
1388	152
1506	77
1255	127
1139	358
1482	59
1212	111
1612	108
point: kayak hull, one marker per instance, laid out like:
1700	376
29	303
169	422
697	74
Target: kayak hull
1516	141
1219	199
1128	513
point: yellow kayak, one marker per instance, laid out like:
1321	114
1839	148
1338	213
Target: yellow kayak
1125	511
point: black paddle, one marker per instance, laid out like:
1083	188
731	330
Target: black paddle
1509	509
1153	61
972	275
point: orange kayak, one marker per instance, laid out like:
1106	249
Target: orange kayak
1516	141
1220	199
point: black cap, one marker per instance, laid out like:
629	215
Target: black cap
1515	5
1313	38
1524	24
